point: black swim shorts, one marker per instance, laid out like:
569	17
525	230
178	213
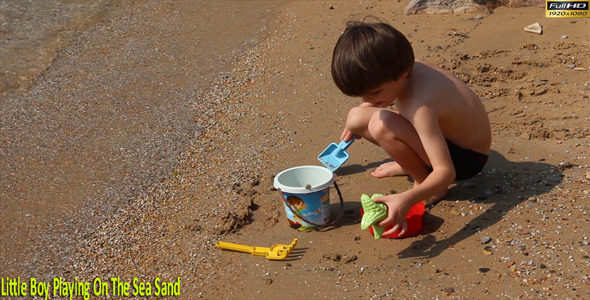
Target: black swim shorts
467	162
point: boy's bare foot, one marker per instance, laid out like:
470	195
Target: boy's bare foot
388	169
434	200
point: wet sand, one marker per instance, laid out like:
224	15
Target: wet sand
102	115
517	230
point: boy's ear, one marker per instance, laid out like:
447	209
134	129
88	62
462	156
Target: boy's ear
406	74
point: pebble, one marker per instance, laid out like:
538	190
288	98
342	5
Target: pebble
486	239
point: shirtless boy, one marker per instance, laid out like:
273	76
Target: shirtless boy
438	132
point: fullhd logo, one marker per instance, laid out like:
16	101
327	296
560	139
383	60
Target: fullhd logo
567	9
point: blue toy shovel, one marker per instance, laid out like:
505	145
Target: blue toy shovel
335	155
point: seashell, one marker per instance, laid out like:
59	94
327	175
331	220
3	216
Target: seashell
534	28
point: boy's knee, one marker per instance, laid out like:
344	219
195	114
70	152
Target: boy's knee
377	126
387	124
355	119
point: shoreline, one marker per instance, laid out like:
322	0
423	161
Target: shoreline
75	172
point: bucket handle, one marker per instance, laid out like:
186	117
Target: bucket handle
296	213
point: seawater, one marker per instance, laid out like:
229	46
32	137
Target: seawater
31	31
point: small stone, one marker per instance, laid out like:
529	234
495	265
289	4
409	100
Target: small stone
486	239
484	270
513	269
564	36
449	290
564	165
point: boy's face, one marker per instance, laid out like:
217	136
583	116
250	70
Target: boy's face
386	93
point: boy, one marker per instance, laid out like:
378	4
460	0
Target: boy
438	133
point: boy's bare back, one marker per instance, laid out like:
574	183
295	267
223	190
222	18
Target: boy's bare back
460	113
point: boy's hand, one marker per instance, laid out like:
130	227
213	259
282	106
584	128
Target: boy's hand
397	209
347	135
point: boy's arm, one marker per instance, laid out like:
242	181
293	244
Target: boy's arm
425	122
427	126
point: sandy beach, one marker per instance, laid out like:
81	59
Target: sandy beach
97	100
518	230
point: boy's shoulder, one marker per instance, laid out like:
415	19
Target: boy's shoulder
428	72
433	87
423	85
431	81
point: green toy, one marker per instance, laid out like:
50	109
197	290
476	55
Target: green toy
373	213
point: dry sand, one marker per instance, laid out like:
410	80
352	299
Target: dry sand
517	230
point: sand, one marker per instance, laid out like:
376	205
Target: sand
517	230
96	104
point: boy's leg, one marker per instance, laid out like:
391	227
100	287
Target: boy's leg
399	139
396	135
358	119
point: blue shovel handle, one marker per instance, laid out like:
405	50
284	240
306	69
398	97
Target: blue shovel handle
344	145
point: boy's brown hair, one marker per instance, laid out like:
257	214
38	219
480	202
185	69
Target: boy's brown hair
368	55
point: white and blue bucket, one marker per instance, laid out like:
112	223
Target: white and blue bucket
305	192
